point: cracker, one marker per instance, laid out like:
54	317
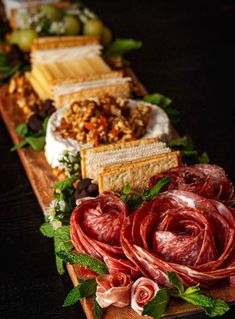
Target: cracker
137	173
55	42
106	152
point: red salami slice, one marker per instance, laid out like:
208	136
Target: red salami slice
183	232
207	180
95	226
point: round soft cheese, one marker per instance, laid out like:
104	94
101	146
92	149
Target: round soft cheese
56	145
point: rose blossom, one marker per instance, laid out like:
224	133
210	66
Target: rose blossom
113	290
143	290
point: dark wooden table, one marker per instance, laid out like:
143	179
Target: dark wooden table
188	55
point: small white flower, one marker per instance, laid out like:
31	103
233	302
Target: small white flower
62	205
56	224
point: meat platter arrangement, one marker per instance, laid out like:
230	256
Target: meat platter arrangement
144	225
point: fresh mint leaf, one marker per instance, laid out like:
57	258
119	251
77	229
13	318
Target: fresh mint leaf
65	183
164	102
157	306
134	201
149	194
62	241
220	307
44	124
19	145
204	158
84	260
99	312
182	143
158	99
174	279
198	299
37	143
47	230
84	289
22	129
121	46
192	289
126	191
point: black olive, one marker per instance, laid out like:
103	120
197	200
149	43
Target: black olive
92	189
84	183
35	122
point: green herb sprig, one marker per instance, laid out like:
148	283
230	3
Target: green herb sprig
35	139
119	47
158	305
189	154
164	102
134	201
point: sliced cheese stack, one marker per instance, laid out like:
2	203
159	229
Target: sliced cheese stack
60	64
115	165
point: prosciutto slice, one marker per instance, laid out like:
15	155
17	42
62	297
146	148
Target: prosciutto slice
207	180
95	226
182	232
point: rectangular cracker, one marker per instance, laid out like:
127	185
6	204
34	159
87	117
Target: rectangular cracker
137	173
114	150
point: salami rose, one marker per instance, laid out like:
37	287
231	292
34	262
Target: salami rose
113	290
182	232
207	180
95	226
143	290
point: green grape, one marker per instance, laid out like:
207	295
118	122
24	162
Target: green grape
72	25
26	39
93	27
14	37
51	12
106	36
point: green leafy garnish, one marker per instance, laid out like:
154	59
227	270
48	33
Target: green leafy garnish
174	279
134	201
65	183
47	230
148	194
35	139
22	129
190	155
121	46
157	306
84	260
85	289
99	312
164	102
62	241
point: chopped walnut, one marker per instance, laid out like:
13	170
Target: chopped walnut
104	120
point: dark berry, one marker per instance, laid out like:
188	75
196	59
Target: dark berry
35	122
92	189
84	183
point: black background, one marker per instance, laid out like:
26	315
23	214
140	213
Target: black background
188	55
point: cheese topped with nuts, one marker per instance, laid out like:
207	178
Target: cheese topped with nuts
87	123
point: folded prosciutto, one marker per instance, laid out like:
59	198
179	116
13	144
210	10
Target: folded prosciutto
95	226
182	232
207	180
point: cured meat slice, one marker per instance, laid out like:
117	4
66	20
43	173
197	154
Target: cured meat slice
207	180
95	226
183	232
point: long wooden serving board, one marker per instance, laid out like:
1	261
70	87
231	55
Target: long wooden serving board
41	177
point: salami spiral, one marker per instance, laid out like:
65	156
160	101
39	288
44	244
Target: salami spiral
207	180
182	232
95	226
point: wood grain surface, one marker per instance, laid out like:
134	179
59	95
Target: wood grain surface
41	177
